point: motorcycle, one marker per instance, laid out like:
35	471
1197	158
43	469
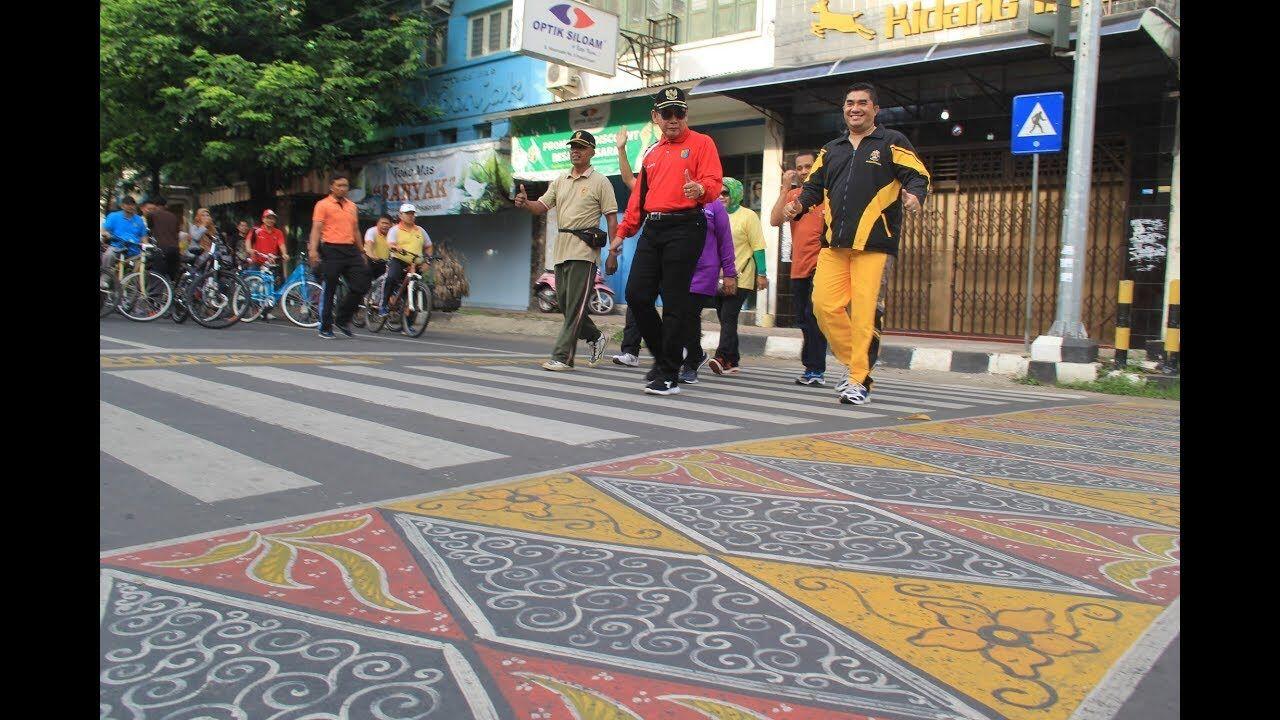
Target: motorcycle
599	301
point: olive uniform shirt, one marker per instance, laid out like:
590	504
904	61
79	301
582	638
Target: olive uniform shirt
579	203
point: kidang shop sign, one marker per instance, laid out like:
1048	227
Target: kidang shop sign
832	29
474	179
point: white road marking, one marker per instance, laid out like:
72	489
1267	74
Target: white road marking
507	421
130	343
393	443
202	469
626	414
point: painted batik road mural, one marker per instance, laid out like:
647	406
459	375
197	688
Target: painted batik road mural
995	567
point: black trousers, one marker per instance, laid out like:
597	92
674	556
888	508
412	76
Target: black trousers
348	262
693	351
172	262
727	309
395	268
814	351
665	258
631	334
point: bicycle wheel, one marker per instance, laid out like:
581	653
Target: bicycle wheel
108	293
251	307
417	310
375	322
178	310
212	301
144	298
301	303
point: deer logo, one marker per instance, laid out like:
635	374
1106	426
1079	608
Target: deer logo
840	22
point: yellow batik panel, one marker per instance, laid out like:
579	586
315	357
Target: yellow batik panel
1028	654
562	504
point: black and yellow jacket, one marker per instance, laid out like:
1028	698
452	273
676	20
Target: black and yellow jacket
861	189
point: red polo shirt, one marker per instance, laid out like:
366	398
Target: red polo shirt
266	241
665	164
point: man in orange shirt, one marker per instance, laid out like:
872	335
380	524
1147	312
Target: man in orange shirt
806	241
334	220
677	176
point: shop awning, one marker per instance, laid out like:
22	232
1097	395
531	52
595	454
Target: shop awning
1161	28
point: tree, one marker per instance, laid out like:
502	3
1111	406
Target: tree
262	91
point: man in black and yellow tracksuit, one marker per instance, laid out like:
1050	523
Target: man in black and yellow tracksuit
866	179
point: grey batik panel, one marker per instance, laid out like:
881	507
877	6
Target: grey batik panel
169	654
846	535
1065	455
907	487
1015	469
684	616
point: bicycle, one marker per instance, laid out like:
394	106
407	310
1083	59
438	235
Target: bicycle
263	294
300	296
178	310
141	295
217	294
411	305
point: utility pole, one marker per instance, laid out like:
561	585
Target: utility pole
1067	340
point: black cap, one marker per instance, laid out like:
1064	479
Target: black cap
583	138
669	97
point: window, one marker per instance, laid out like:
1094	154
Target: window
490	33
699	19
484	130
436	49
448	136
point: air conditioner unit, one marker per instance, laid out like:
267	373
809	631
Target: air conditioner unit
561	76
442	5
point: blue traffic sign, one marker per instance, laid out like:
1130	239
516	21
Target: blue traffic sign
1037	124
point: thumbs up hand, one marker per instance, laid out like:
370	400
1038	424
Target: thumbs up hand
521	199
692	190
621	138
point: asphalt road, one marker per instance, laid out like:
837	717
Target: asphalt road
212	404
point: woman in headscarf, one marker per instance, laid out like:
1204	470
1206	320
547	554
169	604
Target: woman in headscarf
748	251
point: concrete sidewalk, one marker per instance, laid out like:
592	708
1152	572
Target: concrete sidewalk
908	352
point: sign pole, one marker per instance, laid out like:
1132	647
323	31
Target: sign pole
1031	249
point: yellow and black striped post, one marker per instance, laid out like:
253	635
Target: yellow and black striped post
1124	319
1173	330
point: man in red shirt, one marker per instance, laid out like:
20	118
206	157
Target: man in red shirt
677	176
806	241
266	240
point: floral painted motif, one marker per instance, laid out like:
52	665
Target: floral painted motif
1019	641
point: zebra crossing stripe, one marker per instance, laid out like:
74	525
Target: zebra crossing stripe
410	448
816	400
627	414
679	403
472	414
204	470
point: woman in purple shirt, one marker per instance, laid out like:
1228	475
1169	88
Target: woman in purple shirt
717	257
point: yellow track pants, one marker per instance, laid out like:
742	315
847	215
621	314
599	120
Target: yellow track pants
845	288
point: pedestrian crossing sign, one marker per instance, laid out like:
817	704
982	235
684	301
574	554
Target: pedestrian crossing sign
1037	124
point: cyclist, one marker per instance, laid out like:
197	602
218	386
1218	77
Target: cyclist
202	232
404	241
375	245
125	230
265	244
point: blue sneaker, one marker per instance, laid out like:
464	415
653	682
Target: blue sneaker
688	376
811	378
326	334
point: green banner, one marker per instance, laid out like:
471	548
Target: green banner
539	143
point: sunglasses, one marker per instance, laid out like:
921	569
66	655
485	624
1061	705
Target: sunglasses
676	112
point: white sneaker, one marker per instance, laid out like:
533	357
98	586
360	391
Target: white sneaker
597	349
556	366
626	359
854	394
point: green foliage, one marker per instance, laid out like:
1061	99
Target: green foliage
1117	386
211	91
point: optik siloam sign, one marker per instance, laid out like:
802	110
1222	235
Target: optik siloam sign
567	33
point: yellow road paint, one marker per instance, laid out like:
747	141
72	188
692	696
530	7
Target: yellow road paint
809	448
1026	654
561	504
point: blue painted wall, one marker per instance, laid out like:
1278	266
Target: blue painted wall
465	89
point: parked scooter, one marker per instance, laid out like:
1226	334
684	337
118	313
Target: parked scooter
599	302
